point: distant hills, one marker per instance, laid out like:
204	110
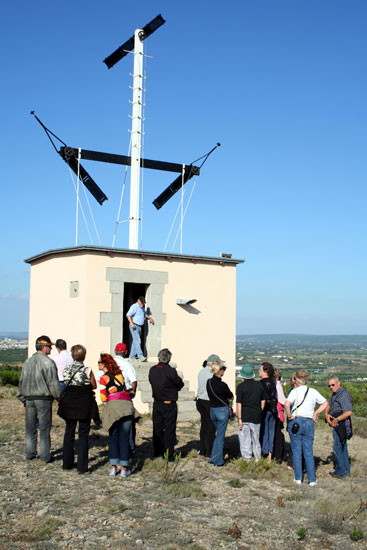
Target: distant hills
304	340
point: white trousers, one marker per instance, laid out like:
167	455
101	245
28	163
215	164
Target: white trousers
249	438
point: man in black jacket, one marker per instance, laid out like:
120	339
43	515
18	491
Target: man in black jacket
165	384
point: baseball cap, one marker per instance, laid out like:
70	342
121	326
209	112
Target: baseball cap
45	340
121	347
213	358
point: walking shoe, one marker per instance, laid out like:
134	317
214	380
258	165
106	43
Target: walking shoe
125	473
312	483
142	359
334	474
298	481
113	471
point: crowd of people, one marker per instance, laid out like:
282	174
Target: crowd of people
261	409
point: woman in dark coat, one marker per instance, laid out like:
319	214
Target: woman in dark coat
270	412
78	406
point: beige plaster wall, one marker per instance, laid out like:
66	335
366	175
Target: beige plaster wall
191	337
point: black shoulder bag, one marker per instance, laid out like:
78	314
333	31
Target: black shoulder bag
295	426
61	408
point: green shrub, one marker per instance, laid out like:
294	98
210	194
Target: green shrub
360	410
236	483
360	427
9	377
262	469
356	534
185	490
301	533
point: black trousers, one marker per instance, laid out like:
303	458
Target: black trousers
164	427
278	449
207	428
68	450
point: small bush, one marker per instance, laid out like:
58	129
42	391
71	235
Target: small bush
9	377
46	528
235	483
262	469
356	534
234	531
117	509
170	472
184	490
360	426
301	533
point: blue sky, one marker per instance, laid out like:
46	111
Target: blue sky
280	83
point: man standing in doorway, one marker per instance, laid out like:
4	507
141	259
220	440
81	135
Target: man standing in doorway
165	384
136	317
337	414
62	360
38	386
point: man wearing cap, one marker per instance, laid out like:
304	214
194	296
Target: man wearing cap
128	371
207	428
38	386
136	317
250	402
166	384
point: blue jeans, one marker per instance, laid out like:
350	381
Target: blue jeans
267	430
219	416
136	343
119	442
41	410
341	457
302	442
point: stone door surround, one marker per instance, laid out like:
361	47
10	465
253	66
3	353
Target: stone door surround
113	319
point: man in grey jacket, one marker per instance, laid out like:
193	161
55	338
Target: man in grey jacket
38	386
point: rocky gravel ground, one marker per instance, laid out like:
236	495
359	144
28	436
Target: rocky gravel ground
188	504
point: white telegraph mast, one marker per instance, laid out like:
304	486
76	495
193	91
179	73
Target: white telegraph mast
136	127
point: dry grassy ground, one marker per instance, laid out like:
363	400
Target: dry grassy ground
186	505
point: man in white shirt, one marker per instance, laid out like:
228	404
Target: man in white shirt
62	360
131	383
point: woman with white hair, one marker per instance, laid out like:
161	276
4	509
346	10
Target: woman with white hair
300	407
219	396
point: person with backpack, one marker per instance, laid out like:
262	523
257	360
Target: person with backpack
117	415
270	412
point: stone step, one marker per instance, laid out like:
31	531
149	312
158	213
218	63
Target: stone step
144	386
187	397
186	405
188	417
